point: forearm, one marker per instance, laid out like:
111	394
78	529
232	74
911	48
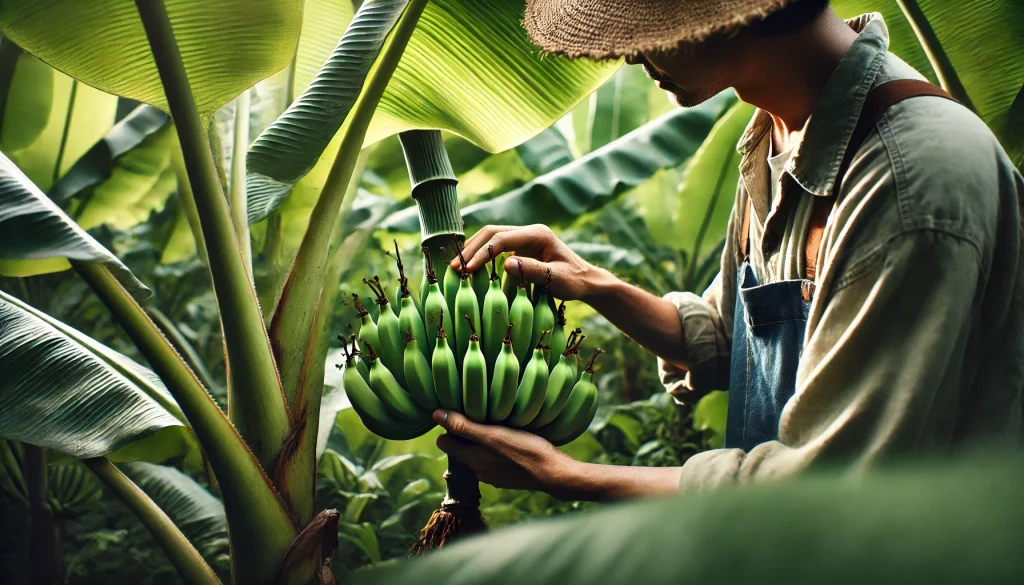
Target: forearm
651	321
599	483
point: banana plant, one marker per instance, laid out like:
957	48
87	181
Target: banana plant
71	394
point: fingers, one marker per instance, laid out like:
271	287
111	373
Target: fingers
534	271
463	450
526	241
458	424
476	240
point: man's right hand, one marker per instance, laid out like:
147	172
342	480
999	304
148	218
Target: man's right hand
539	250
650	321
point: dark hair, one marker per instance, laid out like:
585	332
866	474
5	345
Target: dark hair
795	16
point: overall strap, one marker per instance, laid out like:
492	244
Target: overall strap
879	99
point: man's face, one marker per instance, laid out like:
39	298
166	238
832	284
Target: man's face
691	74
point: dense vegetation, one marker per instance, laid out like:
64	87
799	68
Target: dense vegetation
592	149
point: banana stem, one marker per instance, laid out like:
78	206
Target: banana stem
238	202
459	515
185	558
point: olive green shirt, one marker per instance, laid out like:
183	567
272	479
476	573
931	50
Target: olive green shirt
915	339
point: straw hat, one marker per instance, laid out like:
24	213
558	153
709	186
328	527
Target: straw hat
616	28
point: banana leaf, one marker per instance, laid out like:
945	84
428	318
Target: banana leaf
99	163
466	53
66	392
197	513
594	180
226	45
36	237
929	524
139	181
287	150
47	119
706	197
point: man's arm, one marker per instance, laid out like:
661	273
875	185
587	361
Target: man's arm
517	459
651	321
880	375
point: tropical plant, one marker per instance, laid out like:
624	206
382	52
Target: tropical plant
262	451
609	173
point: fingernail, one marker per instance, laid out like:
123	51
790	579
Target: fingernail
439	415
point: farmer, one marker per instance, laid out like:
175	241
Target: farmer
870	302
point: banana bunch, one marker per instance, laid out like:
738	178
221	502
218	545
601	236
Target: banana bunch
469	350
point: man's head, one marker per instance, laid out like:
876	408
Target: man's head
693	72
692	48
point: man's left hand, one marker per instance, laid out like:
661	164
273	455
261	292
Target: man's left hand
505	457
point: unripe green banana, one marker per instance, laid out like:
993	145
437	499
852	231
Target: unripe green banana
574	414
445	373
435	308
577	412
521	314
543	316
481	284
560	384
466	304
390	392
389	332
558	339
532	389
474	377
581	427
403	290
452	281
504	380
353	360
367	328
375	416
410	321
494	317
419	380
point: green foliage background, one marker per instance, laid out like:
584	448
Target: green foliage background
630	182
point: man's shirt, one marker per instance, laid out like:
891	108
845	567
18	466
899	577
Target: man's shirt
915	338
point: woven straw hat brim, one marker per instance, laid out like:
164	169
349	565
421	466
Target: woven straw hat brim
603	29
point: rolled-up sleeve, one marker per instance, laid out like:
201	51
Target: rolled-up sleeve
883	367
707	346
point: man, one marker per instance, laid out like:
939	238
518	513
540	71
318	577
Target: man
871	295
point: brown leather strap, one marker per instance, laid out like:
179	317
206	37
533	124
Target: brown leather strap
745	230
879	99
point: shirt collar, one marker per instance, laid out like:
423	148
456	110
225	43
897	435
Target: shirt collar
818	156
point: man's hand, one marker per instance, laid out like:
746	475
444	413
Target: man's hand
509	458
505	457
650	321
539	249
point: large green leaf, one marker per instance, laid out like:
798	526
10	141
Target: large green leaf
198	514
48	120
36	237
226	45
65	395
138	182
469	68
709	186
596	179
898	527
288	149
99	163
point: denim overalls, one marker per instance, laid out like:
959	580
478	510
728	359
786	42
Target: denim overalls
770	320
